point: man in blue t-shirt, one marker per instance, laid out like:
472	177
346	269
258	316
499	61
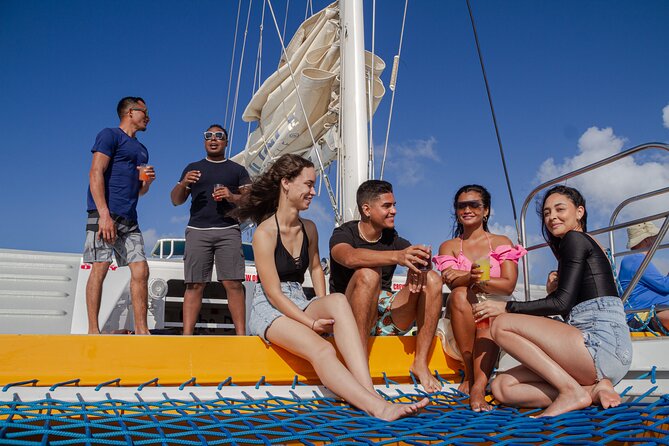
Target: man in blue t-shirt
653	287
119	175
215	185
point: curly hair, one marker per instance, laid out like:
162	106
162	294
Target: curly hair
458	229
263	199
575	197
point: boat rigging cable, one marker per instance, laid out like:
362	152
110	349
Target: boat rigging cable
494	120
321	167
391	85
370	99
257	72
239	78
309	6
232	64
285	20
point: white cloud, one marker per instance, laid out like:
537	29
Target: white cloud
608	186
179	219
665	116
406	161
318	213
508	230
150	238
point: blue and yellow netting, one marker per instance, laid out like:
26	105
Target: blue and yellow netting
319	420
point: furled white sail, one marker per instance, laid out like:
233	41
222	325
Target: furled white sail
286	104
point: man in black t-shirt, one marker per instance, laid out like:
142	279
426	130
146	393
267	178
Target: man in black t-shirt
363	258
213	235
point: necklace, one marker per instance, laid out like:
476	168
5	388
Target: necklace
362	236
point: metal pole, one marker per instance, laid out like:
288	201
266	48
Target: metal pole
354	105
633	199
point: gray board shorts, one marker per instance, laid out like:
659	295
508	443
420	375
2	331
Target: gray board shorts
204	247
127	248
263	313
606	335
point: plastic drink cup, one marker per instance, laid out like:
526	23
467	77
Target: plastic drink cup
484	323
142	172
217	187
427	267
484	266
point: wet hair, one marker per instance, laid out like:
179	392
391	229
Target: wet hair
458	229
263	199
126	103
220	127
371	190
575	197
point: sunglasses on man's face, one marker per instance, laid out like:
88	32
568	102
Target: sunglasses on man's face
474	204
214	135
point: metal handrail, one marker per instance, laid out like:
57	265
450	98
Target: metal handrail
646	260
612	228
630	200
630	252
162	247
588	168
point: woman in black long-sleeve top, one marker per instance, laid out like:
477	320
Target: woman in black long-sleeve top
568	366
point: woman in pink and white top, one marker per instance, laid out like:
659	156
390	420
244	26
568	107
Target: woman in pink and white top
457	262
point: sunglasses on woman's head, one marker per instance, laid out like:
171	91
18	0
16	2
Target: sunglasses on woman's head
474	204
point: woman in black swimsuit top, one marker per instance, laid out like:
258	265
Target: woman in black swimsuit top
284	247
564	366
289	268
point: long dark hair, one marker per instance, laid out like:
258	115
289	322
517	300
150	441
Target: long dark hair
575	197
458	229
263	199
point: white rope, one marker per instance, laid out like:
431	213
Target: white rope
370	148
232	64
306	11
393	84
340	155
311	133
257	73
239	78
285	20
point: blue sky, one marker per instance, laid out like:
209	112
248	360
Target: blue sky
572	81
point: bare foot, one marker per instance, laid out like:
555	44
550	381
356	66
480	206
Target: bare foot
466	384
143	333
605	395
566	402
427	380
391	412
477	400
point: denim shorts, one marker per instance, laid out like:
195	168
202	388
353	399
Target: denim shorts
263	313
606	335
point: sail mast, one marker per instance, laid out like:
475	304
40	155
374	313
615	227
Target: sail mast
354	105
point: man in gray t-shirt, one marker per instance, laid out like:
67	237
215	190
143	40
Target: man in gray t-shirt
215	185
